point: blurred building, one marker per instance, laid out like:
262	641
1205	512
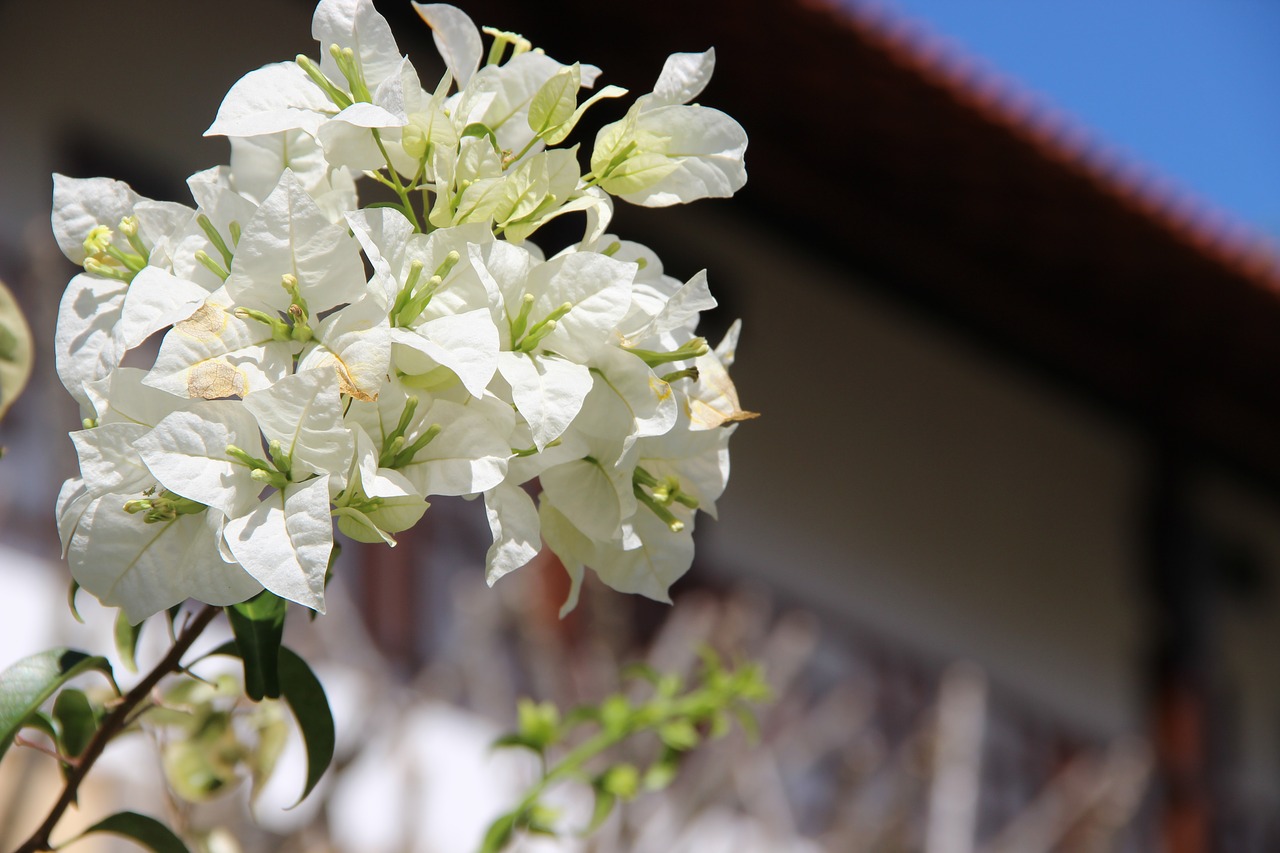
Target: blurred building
1019	402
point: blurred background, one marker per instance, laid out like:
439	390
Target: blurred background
1007	534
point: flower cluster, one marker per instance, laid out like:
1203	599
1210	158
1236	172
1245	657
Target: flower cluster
320	360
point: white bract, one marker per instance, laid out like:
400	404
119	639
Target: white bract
292	387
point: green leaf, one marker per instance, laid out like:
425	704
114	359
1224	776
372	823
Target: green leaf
517	740
478	130
303	693
555	137
76	719
500	833
127	635
147	831
539	723
15	350
258	625
41	722
605	801
28	683
555	100
621	780
71	600
679	735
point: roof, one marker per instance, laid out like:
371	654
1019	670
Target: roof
891	153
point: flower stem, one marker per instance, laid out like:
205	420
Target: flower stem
114	724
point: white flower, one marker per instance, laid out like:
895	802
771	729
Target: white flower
666	152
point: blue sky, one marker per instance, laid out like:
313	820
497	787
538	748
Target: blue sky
1190	89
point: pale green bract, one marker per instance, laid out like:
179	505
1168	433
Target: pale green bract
289	389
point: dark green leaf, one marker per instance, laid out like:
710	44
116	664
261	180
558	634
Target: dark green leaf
28	683
500	833
517	740
71	600
76	720
147	831
303	693
258	625
605	801
41	722
478	130
127	641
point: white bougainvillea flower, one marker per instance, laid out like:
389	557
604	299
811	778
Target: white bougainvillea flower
377	502
214	354
289	235
354	345
666	151
144	567
187	454
713	399
258	162
357	26
134	559
513	520
291	387
457	38
303	413
439	446
286	540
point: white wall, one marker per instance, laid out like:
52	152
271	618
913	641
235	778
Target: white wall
913	481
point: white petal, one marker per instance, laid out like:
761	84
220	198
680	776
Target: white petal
707	148
456	38
466	343
683	77
87	345
356	343
383	234
286	540
547	390
274	98
357	25
304	413
123	398
145	568
658	560
588	493
213	354
598	287
467	457
568	543
513	519
81	204
156	299
291	235
187	453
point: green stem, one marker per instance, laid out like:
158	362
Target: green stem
396	183
114	724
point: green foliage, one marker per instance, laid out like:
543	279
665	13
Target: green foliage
303	693
258	625
679	717
147	831
15	350
126	637
26	685
77	720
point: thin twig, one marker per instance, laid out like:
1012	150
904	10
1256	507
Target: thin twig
114	724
